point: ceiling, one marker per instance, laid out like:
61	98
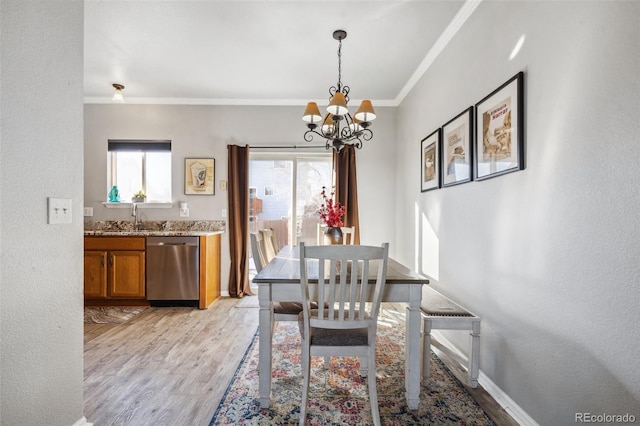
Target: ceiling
266	52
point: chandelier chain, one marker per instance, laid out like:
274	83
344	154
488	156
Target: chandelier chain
339	65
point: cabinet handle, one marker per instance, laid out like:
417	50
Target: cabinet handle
102	261
111	260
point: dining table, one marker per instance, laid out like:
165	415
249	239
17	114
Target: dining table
279	281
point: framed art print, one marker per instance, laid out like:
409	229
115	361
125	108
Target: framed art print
500	130
430	162
457	146
199	176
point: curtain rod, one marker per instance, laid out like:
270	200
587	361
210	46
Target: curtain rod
286	146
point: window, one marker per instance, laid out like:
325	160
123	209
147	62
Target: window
140	165
291	184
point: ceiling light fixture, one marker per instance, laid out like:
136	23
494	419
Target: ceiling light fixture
337	126
117	95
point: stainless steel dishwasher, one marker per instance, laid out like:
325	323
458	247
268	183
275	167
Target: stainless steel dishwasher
173	270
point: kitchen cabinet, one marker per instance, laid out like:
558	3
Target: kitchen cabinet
95	274
114	270
209	269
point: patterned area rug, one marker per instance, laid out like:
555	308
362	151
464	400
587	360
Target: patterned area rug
110	315
339	396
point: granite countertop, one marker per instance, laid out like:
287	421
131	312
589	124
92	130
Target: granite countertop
175	228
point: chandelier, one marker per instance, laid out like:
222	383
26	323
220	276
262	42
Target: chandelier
338	127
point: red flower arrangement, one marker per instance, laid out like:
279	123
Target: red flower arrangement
331	212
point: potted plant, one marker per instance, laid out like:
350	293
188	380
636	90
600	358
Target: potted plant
331	213
139	197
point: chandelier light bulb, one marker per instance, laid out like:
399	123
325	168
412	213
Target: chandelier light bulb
312	113
338	105
365	112
328	126
356	126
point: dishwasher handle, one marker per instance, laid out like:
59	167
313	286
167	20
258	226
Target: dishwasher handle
172	241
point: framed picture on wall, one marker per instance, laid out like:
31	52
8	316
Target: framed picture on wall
456	150
199	176
500	130
430	162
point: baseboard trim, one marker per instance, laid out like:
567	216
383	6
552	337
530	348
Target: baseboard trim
514	410
508	404
83	422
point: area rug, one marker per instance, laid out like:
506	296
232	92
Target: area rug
110	314
339	396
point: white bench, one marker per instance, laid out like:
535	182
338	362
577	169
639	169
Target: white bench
440	312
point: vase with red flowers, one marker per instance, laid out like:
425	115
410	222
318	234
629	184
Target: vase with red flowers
331	213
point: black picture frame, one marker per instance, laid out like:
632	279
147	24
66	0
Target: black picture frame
500	130
456	150
430	161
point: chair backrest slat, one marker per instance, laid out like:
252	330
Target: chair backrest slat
364	294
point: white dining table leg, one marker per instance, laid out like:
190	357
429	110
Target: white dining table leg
412	355
264	348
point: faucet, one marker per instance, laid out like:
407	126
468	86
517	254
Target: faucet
137	224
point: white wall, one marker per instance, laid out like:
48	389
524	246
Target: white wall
205	131
41	304
548	256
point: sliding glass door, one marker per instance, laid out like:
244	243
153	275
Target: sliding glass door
284	191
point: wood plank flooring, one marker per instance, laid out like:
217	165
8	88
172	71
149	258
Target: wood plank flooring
171	366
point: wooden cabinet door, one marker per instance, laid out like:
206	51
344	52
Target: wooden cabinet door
126	274
95	274
209	270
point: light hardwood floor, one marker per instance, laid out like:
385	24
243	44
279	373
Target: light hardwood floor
171	366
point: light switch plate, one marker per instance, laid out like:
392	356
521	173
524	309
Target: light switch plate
88	211
58	210
223	185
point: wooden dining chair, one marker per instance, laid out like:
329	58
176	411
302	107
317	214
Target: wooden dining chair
348	234
280	311
347	325
319	232
257	250
270	242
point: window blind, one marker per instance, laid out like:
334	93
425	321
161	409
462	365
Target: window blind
139	145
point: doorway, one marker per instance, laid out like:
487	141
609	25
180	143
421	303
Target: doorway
284	194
